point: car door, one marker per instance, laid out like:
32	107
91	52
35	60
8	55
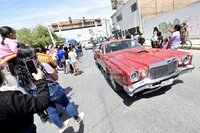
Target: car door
102	57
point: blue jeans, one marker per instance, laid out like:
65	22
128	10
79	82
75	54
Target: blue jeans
57	96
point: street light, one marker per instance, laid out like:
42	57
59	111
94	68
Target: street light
52	39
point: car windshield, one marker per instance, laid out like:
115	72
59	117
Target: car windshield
116	46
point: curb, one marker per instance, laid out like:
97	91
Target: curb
192	48
195	46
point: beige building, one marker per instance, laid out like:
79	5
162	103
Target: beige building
152	8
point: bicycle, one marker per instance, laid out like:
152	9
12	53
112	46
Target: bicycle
187	44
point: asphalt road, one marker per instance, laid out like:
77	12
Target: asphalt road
172	109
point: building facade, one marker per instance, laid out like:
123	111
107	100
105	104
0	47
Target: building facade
143	15
125	19
82	29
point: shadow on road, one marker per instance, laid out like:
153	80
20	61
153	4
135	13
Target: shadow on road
127	100
67	90
64	115
71	129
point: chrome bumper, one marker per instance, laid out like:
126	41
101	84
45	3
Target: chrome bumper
148	83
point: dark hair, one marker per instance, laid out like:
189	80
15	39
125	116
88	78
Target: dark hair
66	49
177	27
1	77
165	39
40	49
155	29
25	52
5	31
60	47
159	33
23	76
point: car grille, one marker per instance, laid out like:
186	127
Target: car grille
169	67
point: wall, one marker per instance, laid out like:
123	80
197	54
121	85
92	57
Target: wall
129	19
151	8
165	22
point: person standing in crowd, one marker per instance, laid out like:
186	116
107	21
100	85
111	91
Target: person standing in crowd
74	60
8	42
67	60
128	35
184	32
154	38
174	40
160	40
61	59
57	95
17	109
165	44
78	50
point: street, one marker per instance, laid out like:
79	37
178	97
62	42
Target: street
172	109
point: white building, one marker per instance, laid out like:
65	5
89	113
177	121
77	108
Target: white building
126	18
82	29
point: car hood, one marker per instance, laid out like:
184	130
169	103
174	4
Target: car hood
137	58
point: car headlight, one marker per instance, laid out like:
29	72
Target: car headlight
186	60
134	76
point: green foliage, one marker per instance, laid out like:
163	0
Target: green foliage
39	35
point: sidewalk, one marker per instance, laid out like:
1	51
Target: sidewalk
195	44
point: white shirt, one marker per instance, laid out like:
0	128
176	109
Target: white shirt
72	56
176	38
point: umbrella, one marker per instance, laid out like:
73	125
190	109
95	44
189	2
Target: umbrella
72	41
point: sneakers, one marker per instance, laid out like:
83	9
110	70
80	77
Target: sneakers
65	124
80	118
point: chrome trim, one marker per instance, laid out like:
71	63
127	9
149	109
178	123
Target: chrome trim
163	68
148	83
165	62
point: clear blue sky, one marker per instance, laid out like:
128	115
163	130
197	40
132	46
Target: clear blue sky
28	13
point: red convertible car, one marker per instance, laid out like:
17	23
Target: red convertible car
132	68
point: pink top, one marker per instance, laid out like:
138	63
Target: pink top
9	47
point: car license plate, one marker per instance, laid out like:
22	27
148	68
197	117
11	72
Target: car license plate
167	82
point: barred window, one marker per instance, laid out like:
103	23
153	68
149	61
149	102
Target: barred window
119	17
134	7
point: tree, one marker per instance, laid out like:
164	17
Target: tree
39	35
24	35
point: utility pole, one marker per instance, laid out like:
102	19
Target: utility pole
156	7
140	16
52	39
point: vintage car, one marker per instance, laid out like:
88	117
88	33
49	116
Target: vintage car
132	68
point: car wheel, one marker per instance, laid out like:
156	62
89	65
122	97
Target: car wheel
115	86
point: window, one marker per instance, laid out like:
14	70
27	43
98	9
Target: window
119	17
134	7
121	45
